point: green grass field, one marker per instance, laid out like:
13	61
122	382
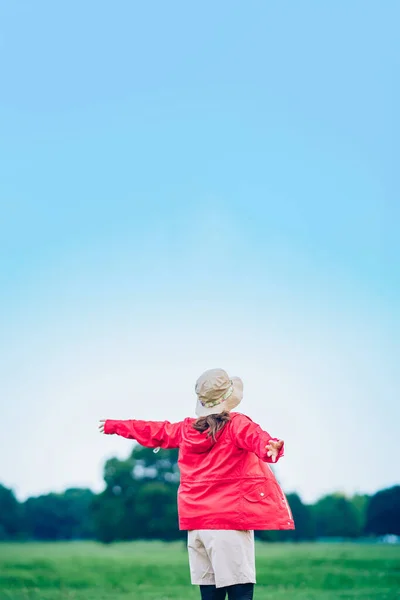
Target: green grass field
156	571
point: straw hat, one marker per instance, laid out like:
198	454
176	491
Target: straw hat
217	392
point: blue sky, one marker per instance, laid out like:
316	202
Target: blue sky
192	185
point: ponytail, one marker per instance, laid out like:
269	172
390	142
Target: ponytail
213	423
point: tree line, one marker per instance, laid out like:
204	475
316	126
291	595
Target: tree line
139	502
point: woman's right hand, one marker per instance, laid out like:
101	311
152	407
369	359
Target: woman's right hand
101	425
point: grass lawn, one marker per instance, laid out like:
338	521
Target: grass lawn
156	571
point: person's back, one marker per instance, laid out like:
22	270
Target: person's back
231	474
227	490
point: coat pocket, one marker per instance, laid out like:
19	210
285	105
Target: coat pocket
257	493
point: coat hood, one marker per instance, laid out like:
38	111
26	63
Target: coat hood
197	442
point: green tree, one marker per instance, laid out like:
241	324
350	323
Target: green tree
118	476
77	503
156	466
140	497
11	515
156	511
63	516
113	510
108	513
383	512
336	516
303	519
360	503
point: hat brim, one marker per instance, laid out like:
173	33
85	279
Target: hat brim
229	404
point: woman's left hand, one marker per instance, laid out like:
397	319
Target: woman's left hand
101	425
273	449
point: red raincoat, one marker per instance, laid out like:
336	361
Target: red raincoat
224	484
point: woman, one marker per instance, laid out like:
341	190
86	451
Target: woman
227	490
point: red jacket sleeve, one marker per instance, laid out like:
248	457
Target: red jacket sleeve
153	434
249	436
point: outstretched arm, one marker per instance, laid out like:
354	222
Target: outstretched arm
152	434
249	436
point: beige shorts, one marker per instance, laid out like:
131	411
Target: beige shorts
221	557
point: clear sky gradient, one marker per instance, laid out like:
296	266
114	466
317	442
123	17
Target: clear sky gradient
188	185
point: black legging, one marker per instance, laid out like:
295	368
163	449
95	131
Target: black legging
210	592
241	591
